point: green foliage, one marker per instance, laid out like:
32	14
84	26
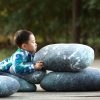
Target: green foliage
4	53
90	16
47	16
49	19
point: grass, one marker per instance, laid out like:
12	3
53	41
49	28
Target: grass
4	53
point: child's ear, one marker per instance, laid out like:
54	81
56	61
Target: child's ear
24	46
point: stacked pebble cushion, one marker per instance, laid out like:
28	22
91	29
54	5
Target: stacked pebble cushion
8	86
65	57
86	80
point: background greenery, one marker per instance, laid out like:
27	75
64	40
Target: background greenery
52	21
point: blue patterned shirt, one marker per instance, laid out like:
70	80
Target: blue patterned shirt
20	62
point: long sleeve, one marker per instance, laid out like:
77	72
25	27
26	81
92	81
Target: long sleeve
21	62
5	65
21	66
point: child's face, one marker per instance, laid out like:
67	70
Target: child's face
31	46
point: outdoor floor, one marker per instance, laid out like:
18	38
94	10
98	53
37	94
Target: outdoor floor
40	94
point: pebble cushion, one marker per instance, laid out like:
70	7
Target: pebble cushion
65	57
8	86
35	77
86	80
24	85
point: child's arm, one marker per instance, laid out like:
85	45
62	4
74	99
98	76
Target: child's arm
20	67
5	65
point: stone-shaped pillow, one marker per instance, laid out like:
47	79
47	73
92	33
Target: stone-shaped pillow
65	57
34	78
8	86
86	80
25	86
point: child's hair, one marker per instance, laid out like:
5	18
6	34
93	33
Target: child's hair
22	36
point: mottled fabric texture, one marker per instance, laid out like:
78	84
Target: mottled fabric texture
20	62
86	80
8	86
63	57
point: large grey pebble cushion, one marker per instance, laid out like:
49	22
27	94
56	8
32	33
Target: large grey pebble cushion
86	80
8	86
65	57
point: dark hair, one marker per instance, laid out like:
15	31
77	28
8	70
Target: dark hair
22	36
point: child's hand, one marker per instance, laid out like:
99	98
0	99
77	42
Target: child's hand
39	65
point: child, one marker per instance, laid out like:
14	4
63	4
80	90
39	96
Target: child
22	61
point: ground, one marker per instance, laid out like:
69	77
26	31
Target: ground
42	95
